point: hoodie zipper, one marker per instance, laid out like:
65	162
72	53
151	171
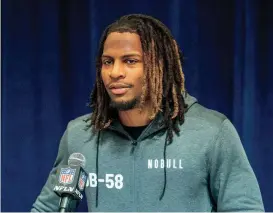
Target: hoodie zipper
134	144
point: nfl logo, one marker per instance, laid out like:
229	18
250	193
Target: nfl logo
67	175
82	181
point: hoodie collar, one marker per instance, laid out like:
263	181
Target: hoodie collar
156	125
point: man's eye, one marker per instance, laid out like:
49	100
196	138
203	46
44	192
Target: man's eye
107	62
130	61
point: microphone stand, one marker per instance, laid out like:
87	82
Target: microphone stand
65	203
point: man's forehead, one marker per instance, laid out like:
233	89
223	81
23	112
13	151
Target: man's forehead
122	41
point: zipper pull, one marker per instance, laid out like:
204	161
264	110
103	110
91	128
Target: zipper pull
134	143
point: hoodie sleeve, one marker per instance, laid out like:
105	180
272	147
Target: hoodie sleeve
233	184
48	201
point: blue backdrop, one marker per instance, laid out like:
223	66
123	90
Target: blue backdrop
48	52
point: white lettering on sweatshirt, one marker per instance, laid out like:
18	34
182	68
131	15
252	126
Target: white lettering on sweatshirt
160	163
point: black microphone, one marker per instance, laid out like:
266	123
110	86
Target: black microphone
71	182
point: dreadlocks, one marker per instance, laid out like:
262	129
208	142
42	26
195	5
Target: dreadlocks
163	76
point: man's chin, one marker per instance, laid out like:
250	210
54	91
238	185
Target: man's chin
124	105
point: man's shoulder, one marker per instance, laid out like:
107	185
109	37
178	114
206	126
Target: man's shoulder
206	124
82	120
79	128
205	116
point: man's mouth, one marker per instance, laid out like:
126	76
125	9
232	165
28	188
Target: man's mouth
119	88
119	91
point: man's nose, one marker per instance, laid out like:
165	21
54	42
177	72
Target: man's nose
117	71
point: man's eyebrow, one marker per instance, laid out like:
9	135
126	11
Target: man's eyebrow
123	56
106	56
132	54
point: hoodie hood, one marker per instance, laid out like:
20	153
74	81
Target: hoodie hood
189	100
158	122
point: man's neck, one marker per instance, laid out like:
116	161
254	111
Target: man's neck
134	117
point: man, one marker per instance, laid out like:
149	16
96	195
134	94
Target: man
149	145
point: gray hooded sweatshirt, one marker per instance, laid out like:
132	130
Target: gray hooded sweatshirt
204	169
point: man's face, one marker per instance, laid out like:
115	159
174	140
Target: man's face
122	69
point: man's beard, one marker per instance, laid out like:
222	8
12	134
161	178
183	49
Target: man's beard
125	105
